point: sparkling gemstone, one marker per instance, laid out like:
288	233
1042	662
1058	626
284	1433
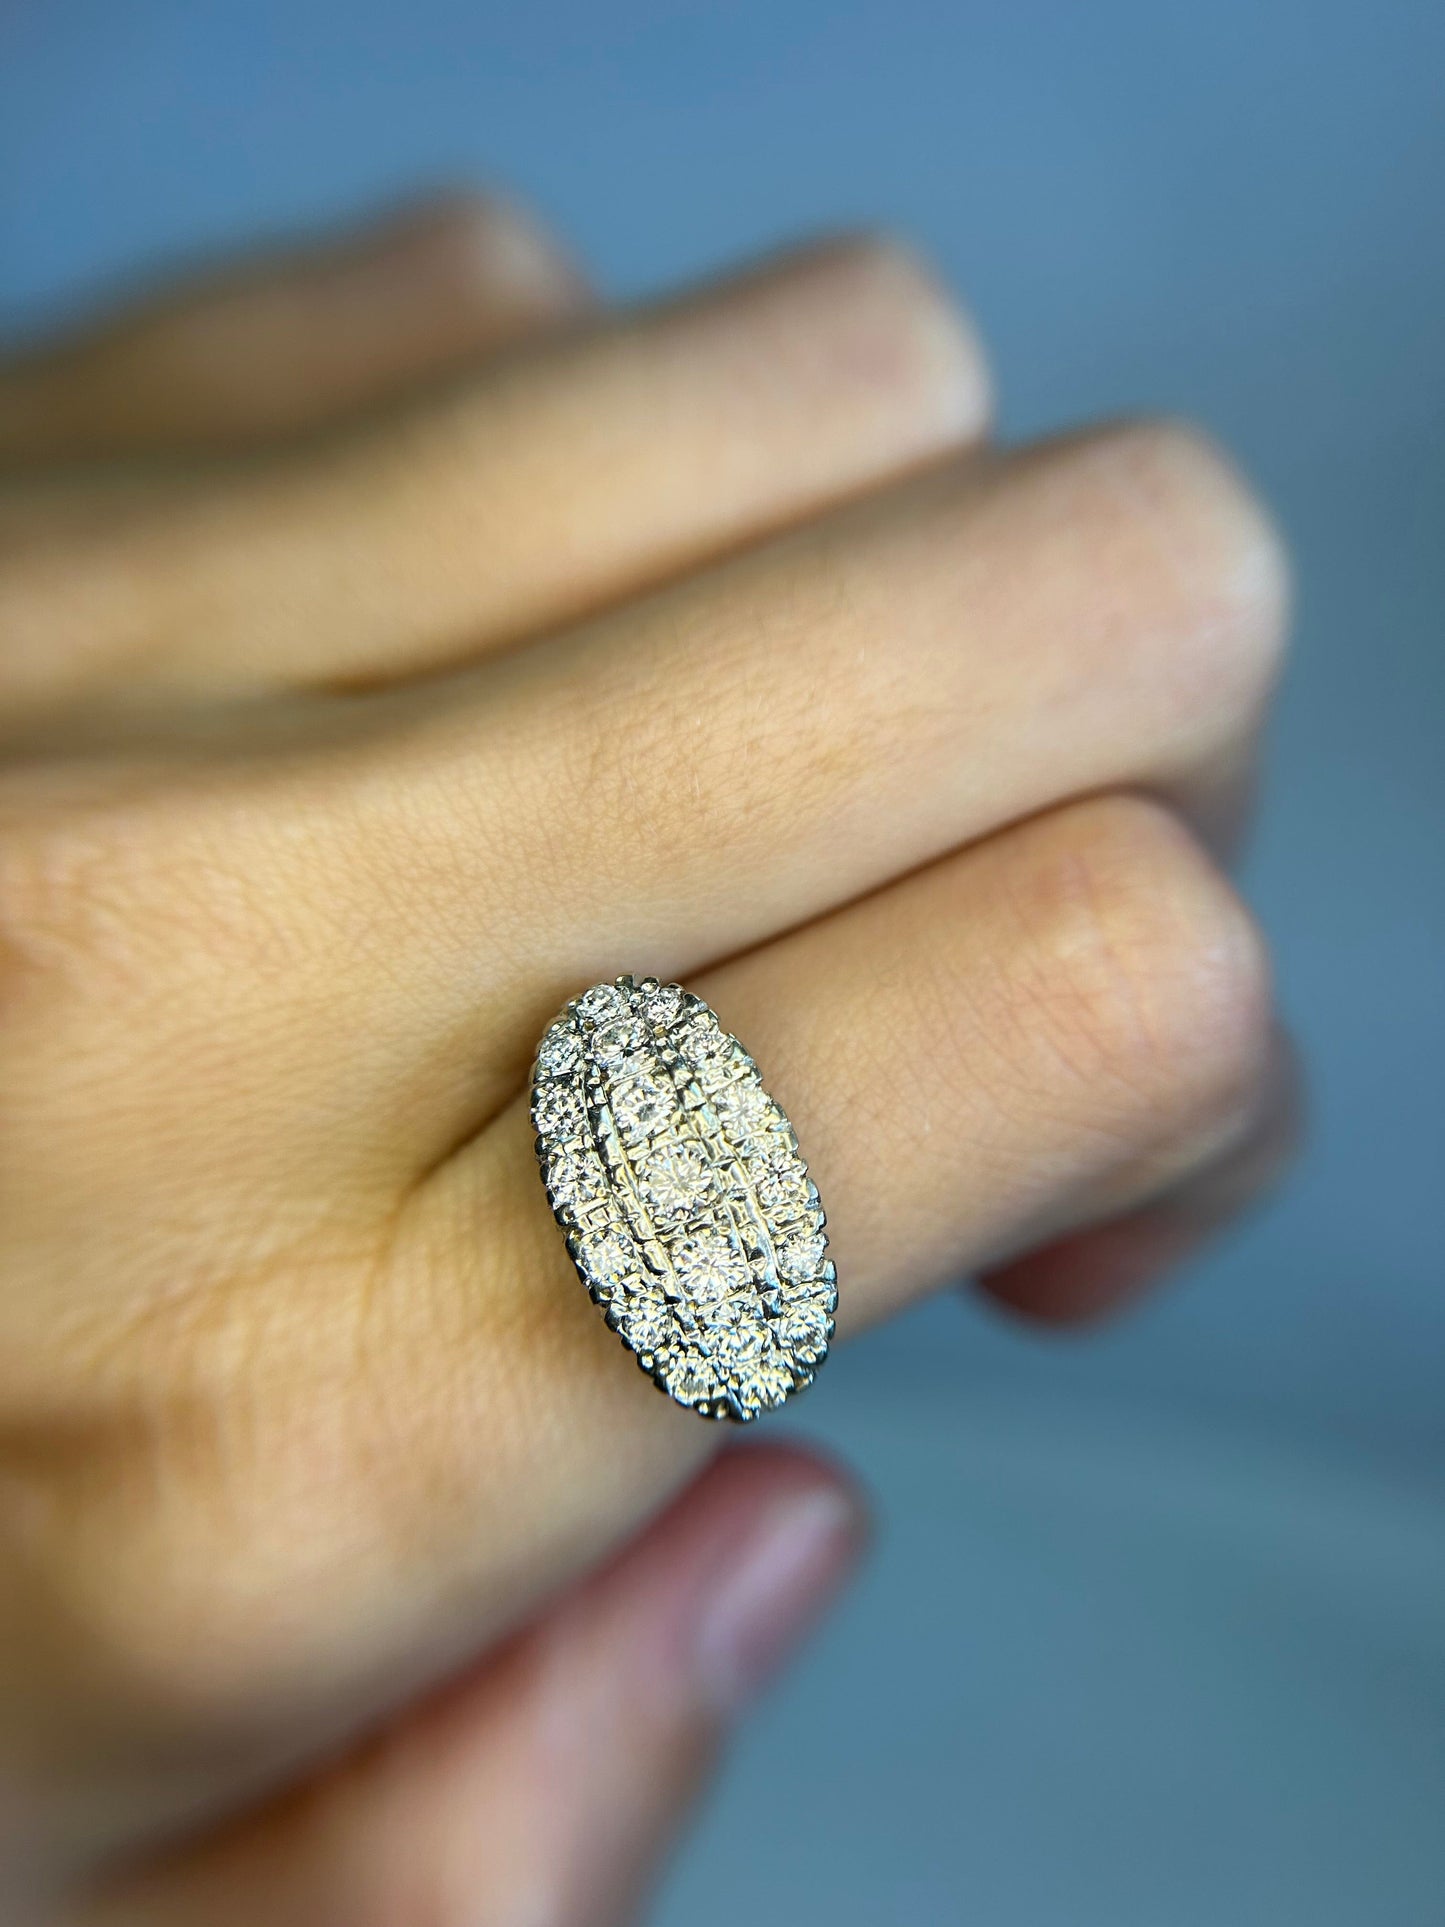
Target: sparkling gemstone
616	1040
575	1180
800	1257
561	1049
674	1179
646	1320
716	1073
559	1109
709	1266
643	1107
747	1109
611	1258
783	1193
737	1339
802	1325
601	1002
694	1377
661	1005
764	1385
768	1152
702	1037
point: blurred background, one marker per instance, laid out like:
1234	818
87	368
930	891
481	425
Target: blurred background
1155	1635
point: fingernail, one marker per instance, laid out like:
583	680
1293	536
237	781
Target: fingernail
1094	1273
485	246
776	1587
510	251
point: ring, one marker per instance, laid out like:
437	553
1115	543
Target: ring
689	1214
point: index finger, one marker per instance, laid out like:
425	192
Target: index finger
282	341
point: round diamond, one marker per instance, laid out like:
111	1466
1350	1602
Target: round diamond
702	1037
575	1180
645	1320
800	1257
694	1377
735	1337
617	1039
643	1107
661	1005
601	1002
559	1109
611	1258
748	1108
560	1050
764	1385
674	1179
803	1325
768	1152
708	1267
715	1073
784	1193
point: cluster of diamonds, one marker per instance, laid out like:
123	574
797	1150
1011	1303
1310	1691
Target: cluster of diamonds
688	1211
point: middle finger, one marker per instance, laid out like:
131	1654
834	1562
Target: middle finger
379	919
551	483
798	727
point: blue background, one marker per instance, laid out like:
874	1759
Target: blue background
1156	1632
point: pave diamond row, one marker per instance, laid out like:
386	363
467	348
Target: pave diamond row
688	1211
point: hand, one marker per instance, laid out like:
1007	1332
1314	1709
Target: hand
392	645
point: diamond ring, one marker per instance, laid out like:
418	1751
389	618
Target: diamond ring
689	1214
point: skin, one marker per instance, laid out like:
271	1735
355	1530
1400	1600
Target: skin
392	643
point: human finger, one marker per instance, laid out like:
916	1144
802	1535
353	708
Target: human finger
785	734
1034	1035
1101	1268
546	1782
283	342
673	787
384	1437
556	481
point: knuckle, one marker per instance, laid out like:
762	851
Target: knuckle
1159	982
116	879
50	865
1194	548
162	1517
97	1541
72	872
905	329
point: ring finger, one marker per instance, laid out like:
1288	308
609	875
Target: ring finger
1031	1036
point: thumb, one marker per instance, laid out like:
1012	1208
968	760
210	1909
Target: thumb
542	1788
